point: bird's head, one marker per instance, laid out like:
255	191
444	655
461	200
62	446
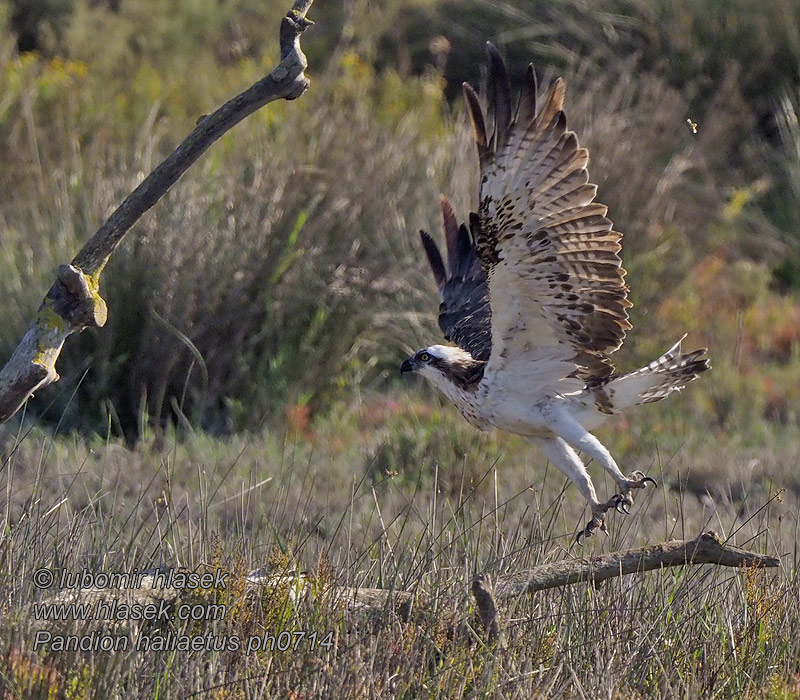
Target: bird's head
446	366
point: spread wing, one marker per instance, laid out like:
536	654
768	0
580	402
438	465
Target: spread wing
558	298
464	313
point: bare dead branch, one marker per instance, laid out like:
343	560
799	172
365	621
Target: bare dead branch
73	302
377	600
483	593
708	548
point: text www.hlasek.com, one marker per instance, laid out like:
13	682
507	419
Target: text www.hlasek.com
111	609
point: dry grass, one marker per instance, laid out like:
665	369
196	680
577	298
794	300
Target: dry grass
323	504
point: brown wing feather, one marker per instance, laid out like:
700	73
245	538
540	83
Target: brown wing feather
526	110
550	254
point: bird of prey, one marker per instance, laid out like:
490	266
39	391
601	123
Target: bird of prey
535	297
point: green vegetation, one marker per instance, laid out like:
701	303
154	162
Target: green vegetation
242	405
284	269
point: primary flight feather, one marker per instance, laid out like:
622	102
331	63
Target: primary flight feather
535	297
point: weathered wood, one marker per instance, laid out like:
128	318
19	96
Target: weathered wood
483	593
708	548
74	302
377	600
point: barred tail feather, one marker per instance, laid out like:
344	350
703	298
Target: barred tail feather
670	372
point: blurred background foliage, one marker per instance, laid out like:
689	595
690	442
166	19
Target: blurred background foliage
282	276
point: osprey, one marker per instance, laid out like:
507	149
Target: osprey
535	298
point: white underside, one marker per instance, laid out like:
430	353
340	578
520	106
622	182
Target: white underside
558	423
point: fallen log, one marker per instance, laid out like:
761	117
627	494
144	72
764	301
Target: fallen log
707	548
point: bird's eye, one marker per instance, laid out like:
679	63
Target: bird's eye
425	357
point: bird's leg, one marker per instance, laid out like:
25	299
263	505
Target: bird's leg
563	424
567	461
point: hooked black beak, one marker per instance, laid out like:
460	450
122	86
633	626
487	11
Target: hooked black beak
408	366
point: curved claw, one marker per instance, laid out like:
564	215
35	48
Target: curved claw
621	504
641	479
589	530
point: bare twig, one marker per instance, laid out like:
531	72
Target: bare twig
73	302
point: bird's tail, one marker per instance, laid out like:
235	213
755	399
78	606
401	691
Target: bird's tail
670	372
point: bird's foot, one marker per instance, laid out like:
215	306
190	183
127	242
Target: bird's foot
622	501
597	522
